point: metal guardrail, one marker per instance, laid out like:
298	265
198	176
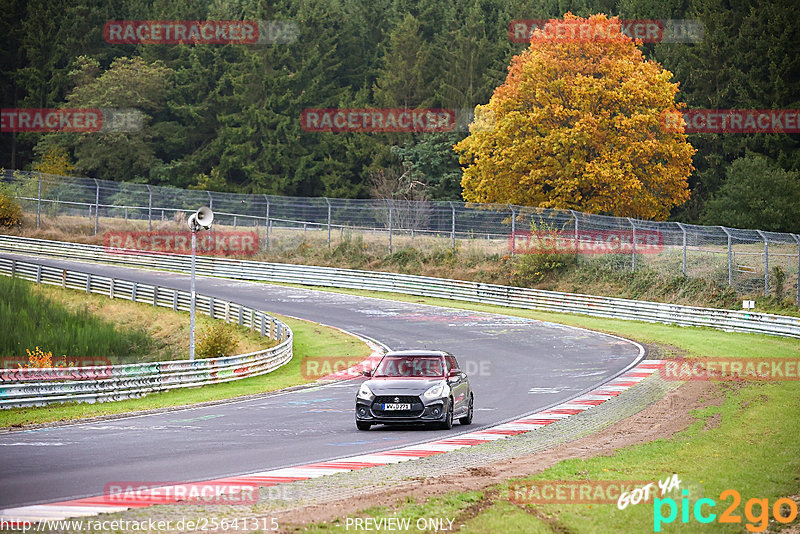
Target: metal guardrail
36	387
514	297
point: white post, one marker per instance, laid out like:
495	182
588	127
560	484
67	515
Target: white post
191	306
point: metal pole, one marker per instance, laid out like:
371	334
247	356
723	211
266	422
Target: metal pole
575	217
149	209
390	224
513	229
329	221
96	204
210	200
766	262
453	226
266	231
193	299
633	251
39	204
797	238
683	230
730	256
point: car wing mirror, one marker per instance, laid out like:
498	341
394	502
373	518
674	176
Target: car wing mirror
367	373
454	373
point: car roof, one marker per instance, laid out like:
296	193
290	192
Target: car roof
420	353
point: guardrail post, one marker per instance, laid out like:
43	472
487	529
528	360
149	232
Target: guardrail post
272	334
797	239
391	214
88	283
266	231
329	220
263	325
38	274
39	203
211	307
155	296
13	268
149	209
111	289
96	204
633	241
63	279
453	226
133	292
252	320
683	231
175	300
241	315
766	262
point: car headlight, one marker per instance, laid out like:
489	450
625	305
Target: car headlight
365	393
437	392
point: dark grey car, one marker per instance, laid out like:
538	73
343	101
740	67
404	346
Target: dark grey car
414	386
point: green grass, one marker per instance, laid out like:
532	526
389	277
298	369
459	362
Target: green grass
310	339
34	320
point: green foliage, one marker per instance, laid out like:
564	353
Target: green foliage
757	193
779	280
10	210
216	341
37	321
531	269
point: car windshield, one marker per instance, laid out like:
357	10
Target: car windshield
411	366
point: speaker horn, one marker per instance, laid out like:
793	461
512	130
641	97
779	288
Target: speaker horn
201	220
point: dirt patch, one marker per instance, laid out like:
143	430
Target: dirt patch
660	351
663	419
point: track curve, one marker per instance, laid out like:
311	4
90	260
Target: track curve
517	366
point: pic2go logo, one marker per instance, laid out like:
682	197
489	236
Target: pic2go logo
784	510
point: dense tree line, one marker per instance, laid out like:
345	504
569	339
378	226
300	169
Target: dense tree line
226	117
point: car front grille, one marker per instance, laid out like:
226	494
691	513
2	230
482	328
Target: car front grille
380	400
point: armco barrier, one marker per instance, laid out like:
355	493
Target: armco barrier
36	387
535	299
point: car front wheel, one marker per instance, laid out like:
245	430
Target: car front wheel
447	424
467	419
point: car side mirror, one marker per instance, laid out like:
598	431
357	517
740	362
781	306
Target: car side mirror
367	373
454	373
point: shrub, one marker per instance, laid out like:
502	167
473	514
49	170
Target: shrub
216	341
530	269
779	277
10	210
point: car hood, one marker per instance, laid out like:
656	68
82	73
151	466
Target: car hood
401	386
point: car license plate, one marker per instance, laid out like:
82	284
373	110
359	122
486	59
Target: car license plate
396	406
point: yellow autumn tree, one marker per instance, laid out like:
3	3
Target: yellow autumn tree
579	124
55	160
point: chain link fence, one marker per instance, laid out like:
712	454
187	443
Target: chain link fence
751	261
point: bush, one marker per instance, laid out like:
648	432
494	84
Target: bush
531	269
10	210
216	341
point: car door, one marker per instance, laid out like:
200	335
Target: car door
458	384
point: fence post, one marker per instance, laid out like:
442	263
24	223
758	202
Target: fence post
683	231
391	214
766	262
730	256
329	220
96	204
149	209
513	229
575	218
633	241
453	226
210	200
797	238
39	203
266	229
